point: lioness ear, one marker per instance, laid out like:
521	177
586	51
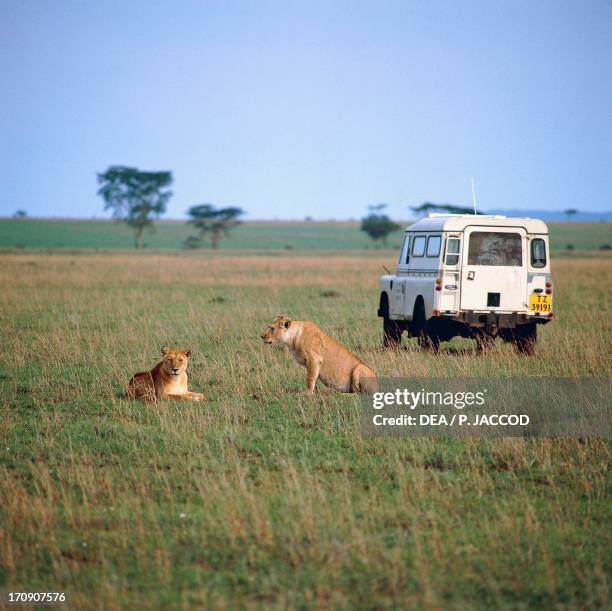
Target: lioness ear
164	350
287	323
188	352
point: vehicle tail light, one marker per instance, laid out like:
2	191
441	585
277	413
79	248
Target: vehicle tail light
438	284
435	312
548	284
548	291
550	315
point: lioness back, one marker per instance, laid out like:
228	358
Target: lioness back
142	386
324	357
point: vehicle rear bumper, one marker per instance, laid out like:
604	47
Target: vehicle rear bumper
500	320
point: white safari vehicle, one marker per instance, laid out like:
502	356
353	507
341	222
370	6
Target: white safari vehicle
473	276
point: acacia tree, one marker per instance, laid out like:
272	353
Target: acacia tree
377	224
426	207
569	213
135	197
208	219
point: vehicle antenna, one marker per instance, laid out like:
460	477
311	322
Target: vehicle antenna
474	196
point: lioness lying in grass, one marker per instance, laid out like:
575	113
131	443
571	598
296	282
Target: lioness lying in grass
324	357
167	380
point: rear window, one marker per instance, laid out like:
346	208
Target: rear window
418	246
493	248
538	253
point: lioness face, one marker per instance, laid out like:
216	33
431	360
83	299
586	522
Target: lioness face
277	331
175	360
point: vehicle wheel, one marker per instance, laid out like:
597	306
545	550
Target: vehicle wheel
429	337
419	326
423	340
525	338
392	333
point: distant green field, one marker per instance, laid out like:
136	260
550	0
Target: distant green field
39	233
48	233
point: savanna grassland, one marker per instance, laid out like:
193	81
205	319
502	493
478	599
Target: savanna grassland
251	235
263	496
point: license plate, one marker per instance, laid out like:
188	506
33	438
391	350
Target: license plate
538	302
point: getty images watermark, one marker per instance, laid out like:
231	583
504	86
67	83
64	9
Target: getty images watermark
476	407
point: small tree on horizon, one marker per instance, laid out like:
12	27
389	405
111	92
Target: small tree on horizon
135	197
377	224
427	207
20	214
569	213
217	222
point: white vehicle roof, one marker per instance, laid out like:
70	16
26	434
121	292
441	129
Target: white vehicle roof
458	222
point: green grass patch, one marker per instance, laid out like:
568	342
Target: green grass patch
285	236
262	496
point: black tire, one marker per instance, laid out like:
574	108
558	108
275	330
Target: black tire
431	343
392	329
434	336
427	336
422	339
419	324
392	333
525	338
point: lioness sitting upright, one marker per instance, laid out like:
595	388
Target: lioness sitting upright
323	356
167	380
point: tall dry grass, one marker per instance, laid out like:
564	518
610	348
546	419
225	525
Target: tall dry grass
264	496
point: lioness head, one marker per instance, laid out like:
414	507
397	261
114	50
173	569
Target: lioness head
175	360
277	331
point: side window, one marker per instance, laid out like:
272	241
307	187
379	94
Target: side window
452	251
404	253
538	253
402	250
407	257
418	246
433	245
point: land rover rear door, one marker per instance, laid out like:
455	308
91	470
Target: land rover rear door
494	269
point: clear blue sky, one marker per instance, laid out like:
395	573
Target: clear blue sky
312	108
